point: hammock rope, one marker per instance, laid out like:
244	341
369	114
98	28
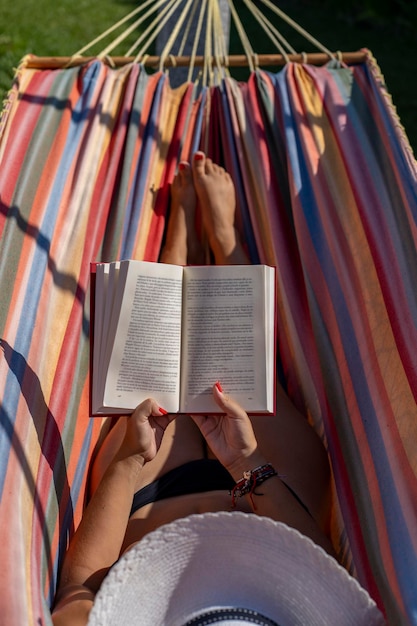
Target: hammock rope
115	27
215	49
153	30
302	31
279	41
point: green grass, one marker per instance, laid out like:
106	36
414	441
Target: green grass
52	28
59	28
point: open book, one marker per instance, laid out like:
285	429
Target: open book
170	332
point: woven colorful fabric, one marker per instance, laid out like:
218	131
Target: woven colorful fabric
326	188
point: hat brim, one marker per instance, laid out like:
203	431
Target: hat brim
230	560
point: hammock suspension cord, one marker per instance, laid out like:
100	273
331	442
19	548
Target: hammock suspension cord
152	16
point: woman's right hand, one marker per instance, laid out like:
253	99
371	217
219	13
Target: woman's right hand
144	431
230	435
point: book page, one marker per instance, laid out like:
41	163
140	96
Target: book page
111	308
145	354
224	336
100	303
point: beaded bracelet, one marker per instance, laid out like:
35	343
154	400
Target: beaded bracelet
251	479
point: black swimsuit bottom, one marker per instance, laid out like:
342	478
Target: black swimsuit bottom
197	476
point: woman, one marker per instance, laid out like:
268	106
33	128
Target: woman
171	467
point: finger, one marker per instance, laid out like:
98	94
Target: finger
147	408
164	418
207	424
199	420
227	404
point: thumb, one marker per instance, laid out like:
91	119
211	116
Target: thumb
227	405
147	408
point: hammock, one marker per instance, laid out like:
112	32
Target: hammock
326	187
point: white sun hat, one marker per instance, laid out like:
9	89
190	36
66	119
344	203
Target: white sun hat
230	568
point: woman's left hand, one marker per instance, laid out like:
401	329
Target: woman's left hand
230	436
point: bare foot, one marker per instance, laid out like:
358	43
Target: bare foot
217	199
182	245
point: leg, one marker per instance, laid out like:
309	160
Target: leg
182	245
216	195
297	453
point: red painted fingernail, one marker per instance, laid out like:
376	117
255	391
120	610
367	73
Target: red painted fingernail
199	156
182	166
162	411
219	387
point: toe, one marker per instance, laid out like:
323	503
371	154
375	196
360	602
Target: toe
199	163
184	172
176	181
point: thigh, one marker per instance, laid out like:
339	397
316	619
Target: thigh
182	442
297	453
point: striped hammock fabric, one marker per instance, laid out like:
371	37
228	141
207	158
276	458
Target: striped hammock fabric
326	191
